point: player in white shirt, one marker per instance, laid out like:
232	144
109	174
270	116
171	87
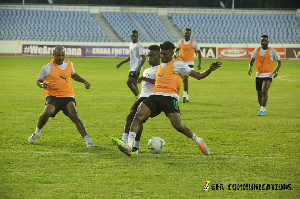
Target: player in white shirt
264	64
148	78
137	59
187	48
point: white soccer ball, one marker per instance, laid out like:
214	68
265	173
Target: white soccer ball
156	145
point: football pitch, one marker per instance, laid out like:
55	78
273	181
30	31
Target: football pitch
246	150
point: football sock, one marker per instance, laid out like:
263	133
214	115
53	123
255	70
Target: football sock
137	144
131	138
185	94
38	131
262	108
87	139
196	139
125	138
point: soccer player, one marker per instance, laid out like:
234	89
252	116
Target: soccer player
55	79
137	58
148	78
264	57
187	48
165	97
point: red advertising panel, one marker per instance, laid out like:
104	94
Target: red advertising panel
235	53
281	52
243	53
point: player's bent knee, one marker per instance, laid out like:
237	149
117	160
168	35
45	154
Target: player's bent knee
139	118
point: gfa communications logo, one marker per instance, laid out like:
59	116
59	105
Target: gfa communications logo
206	186
246	186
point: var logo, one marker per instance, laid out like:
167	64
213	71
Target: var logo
293	53
208	52
296	53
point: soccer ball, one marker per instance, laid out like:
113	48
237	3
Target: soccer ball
156	145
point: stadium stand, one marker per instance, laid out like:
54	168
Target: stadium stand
153	26
123	26
239	28
79	26
50	26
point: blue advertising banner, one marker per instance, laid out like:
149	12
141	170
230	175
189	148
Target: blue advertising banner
108	51
79	51
45	50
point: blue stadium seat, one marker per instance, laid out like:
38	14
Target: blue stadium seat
285	26
38	25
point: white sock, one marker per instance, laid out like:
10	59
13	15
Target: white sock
185	93
137	144
87	139
125	138
131	138
262	108
196	139
38	131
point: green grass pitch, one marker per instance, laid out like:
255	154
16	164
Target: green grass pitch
245	148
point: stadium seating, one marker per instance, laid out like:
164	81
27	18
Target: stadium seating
206	28
50	26
239	28
123	26
153	26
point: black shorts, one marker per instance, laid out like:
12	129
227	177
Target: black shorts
134	74
159	103
60	103
136	104
259	82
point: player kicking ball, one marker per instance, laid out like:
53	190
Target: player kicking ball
165	97
148	78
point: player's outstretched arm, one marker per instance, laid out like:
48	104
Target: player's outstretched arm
123	62
77	78
200	75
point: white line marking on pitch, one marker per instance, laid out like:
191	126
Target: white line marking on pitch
171	155
285	78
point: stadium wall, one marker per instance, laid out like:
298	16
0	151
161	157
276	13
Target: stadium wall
120	49
140	9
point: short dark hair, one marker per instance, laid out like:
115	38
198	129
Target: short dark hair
135	31
57	47
188	29
266	36
167	45
154	47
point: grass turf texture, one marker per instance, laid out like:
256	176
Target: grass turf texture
223	109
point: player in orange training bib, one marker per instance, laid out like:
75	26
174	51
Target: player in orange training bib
55	79
264	57
165	97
